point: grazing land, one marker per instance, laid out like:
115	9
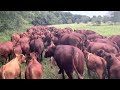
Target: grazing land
50	71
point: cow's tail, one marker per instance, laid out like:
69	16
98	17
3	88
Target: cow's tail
74	57
105	68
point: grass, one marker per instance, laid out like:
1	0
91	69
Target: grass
105	29
50	71
6	36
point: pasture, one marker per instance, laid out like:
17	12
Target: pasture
50	71
103	29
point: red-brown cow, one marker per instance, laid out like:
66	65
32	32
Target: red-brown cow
114	66
15	37
17	49
6	50
12	69
95	64
68	59
34	69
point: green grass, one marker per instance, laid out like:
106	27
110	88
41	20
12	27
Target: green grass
51	71
106	30
6	36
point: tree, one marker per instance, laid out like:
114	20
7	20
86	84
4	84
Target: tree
115	16
105	19
85	19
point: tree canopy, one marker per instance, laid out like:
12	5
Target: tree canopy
15	19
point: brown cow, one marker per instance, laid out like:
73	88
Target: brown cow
12	69
94	46
17	49
95	64
37	46
72	39
114	67
6	50
24	43
34	69
24	40
115	38
107	41
15	37
68	59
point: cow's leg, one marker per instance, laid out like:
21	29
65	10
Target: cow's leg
89	73
79	72
41	57
63	76
10	56
62	71
105	74
50	63
69	74
20	75
99	73
108	73
6	60
51	60
38	57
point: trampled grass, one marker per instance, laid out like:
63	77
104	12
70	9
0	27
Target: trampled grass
50	71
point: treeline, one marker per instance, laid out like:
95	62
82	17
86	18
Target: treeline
13	20
57	17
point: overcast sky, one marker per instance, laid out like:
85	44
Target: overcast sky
90	13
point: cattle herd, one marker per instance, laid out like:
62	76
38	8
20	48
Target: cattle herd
70	50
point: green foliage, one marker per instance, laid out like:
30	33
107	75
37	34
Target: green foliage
58	17
115	16
12	20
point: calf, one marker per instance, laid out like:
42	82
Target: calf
95	64
12	69
34	69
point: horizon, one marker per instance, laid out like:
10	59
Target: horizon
89	13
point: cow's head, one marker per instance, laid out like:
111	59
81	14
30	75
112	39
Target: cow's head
49	52
100	53
33	55
21	58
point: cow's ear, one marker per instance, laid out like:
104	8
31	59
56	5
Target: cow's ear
109	57
36	55
53	47
16	55
30	54
101	51
21	55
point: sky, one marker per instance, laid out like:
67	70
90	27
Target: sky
89	13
